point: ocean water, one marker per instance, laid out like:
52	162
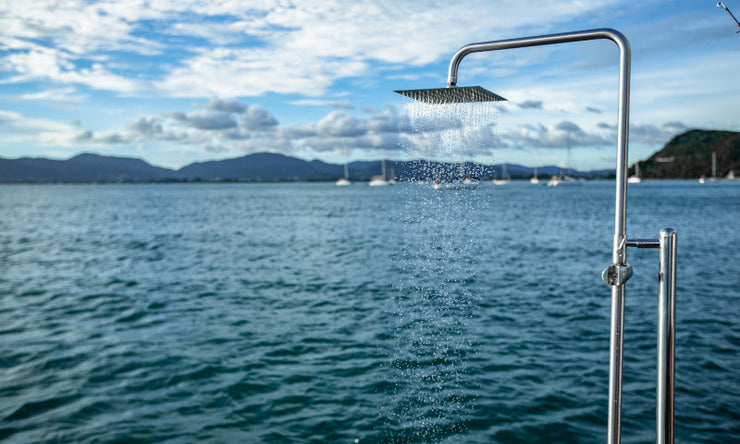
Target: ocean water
309	313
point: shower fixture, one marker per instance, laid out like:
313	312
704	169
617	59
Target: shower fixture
616	274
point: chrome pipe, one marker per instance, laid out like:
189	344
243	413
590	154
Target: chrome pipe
616	347
618	273
666	336
643	243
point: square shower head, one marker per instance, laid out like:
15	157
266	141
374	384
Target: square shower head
452	94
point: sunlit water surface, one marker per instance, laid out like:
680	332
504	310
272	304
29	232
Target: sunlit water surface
313	313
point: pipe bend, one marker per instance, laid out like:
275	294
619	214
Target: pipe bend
549	39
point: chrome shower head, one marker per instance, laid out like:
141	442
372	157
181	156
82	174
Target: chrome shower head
452	94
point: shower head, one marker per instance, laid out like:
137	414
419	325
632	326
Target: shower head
452	94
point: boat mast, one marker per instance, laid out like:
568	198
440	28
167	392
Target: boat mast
567	144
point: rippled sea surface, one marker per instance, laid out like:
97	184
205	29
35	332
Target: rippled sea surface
310	313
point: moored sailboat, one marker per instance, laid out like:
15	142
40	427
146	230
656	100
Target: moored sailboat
534	180
637	177
380	180
565	179
344	181
505	178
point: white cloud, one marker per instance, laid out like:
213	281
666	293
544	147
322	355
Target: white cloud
229	126
19	131
655	135
149	126
207	119
558	135
229	105
83	27
249	49
254	72
305	49
257	118
344	104
340	124
531	104
67	95
226	49
57	66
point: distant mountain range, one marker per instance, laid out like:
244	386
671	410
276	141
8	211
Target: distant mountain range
688	155
260	167
81	168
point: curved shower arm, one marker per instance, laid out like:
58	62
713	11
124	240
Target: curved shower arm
550	39
620	238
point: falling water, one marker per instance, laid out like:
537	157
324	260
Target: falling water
436	328
452	133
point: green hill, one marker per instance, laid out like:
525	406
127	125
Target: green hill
689	155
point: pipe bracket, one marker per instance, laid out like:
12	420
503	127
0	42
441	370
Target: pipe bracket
616	274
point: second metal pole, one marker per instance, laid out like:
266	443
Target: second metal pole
666	336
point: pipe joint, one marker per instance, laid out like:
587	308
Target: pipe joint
616	274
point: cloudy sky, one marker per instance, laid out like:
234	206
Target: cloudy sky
178	81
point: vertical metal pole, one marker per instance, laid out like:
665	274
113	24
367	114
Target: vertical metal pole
666	336
619	254
615	365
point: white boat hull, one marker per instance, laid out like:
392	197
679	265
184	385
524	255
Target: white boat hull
379	181
457	185
564	181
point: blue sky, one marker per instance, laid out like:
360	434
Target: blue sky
179	81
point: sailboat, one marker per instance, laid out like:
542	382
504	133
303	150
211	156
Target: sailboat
381	179
637	177
344	181
505	178
565	179
466	183
703	179
534	180
562	180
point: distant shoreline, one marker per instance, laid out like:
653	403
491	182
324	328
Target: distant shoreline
690	155
268	182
